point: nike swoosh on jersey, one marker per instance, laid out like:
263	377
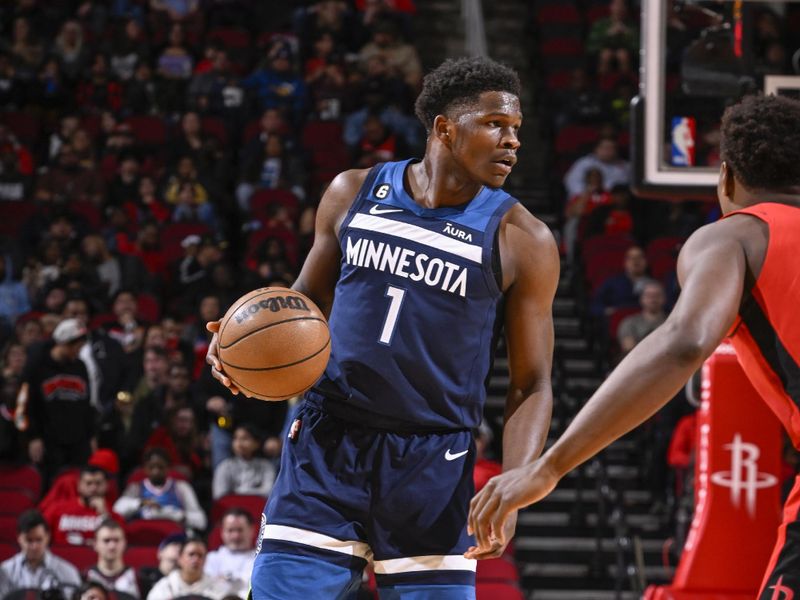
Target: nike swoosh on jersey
376	210
449	456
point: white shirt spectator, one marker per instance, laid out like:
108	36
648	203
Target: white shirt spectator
172	586
53	572
131	504
237	475
233	566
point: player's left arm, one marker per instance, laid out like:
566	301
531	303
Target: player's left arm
531	267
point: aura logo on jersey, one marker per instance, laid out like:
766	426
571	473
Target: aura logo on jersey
451	229
744	477
274	304
407	263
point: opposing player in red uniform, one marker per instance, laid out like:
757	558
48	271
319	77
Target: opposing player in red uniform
740	277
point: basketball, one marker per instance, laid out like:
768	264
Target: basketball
274	343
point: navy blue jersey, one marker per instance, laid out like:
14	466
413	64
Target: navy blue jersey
415	308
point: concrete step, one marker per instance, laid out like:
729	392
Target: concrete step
567	326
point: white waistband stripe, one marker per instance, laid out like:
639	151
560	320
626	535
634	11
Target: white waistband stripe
317	540
454	562
417	234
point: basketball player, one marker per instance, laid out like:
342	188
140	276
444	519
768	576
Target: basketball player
418	265
740	277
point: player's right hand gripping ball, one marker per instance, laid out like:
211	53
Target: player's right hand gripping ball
274	343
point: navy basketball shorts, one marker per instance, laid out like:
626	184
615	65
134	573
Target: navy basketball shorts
348	495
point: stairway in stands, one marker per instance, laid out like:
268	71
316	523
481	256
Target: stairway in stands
561	552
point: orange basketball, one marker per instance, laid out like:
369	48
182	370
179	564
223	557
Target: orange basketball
274	343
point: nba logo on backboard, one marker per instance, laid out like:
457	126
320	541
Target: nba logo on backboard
683	136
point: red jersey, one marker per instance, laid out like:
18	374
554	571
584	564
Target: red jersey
766	334
73	523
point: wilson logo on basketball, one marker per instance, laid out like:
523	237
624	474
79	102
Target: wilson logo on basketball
273	304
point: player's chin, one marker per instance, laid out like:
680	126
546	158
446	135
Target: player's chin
495	174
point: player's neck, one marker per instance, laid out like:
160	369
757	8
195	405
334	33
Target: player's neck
437	181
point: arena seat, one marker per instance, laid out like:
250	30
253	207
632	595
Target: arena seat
7	550
262	199
8	528
252	504
148	129
82	557
150	532
13	502
21	477
141	556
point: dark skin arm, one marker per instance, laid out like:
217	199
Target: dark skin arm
530	276
714	266
319	274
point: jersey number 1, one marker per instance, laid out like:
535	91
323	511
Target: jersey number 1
396	294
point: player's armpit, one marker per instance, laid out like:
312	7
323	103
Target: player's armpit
320	271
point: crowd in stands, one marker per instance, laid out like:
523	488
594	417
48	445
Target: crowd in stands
159	158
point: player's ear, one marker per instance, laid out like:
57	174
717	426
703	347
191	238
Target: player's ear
442	128
726	185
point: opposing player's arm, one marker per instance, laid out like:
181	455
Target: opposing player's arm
712	269
317	278
530	275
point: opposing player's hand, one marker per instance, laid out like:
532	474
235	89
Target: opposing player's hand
212	358
492	512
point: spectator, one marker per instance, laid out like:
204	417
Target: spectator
277	86
126	329
14	357
115	271
67	126
622	291
149	206
53	406
178	436
188	578
581	102
110	570
68	181
141	93
189	210
377	145
49	90
11	445
84	148
185	172
233	561
100	92
203	149
12	88
25	49
270	168
159	496
581	206
14	299
401	57
92	590
102	355
71	51
168	551
245	472
614	40
326	77
604	158
34	566
124	188
635	328
174	67
74	520
176	11
129	50
217	90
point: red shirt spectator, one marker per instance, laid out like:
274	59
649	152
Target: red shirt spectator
75	520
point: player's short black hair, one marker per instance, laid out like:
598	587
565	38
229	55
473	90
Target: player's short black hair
31	519
460	81
761	142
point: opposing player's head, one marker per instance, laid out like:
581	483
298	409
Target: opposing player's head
760	150
470	106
